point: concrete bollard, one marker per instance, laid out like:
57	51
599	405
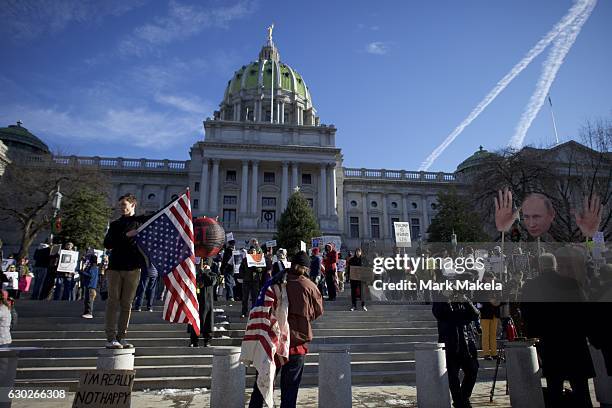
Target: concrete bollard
432	376
602	381
8	369
228	378
335	376
115	359
524	378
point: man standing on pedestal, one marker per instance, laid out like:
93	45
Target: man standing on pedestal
123	273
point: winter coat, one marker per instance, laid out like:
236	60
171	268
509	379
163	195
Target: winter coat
305	305
330	260
315	266
354	261
561	326
455	326
251	274
90	276
125	254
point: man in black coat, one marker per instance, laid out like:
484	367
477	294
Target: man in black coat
455	315
555	311
205	280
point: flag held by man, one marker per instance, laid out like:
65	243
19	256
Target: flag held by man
167	241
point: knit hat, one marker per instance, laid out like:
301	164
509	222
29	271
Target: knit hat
315	251
301	258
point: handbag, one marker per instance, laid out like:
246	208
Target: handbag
24	283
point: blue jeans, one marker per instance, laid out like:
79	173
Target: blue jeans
229	285
146	287
291	376
64	285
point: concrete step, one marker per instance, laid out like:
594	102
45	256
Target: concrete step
90	361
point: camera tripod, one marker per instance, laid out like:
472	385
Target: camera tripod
501	357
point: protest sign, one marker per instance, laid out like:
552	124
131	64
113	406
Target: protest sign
271	244
302	246
229	236
341	265
99	254
104	389
68	261
236	260
256	260
13	280
362	273
6	263
402	234
320	242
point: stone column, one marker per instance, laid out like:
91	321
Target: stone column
140	194
602	381
294	175
331	190
115	359
335	376
322	191
8	370
364	208
203	188
228	378
405	210
431	376
277	112
284	185
425	217
385	216
254	185
214	189
244	192
282	110
524	379
238	111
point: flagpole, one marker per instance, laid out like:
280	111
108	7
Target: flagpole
552	114
272	90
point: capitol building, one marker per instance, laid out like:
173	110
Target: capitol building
263	142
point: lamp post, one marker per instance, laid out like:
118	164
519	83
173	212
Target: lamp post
454	241
56	204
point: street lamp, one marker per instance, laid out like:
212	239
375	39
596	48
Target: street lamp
454	241
56	203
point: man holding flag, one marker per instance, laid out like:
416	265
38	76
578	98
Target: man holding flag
279	330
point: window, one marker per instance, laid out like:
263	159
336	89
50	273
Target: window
230	200
306	178
310	202
230	175
414	205
373	204
268	201
229	216
393	221
268	217
353	203
196	187
354	227
196	203
415	228
375	224
393	204
268	177
151	196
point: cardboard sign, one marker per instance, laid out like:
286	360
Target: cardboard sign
402	234
256	260
271	244
302	246
362	273
6	263
68	261
236	260
13	280
104	389
341	265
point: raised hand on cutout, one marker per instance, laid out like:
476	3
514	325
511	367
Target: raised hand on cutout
589	219
504	214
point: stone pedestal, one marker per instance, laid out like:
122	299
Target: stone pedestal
335	376
228	378
431	376
524	378
8	368
602	381
115	359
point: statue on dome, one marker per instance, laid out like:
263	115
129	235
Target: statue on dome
270	28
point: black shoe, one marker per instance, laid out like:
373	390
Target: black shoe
193	345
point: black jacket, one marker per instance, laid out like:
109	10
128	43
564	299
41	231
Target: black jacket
125	254
455	328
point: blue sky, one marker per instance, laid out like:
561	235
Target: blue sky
137	78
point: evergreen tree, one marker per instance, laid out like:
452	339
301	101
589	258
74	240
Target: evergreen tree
85	218
455	214
297	223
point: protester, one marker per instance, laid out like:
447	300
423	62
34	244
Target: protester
251	280
330	259
90	274
305	306
215	269
341	266
455	315
7	318
205	280
227	269
41	264
64	281
554	311
316	271
146	288
48	284
281	264
356	287
123	273
489	319
11	285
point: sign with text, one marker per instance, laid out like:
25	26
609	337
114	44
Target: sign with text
327	239
402	234
302	246
104	389
229	236
68	261
6	263
271	244
362	273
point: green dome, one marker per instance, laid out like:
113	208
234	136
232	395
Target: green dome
19	138
475	159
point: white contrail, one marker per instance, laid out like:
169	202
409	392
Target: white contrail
558	28
561	46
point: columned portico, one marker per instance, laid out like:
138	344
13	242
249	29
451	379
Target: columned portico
323	190
244	193
254	185
284	184
214	191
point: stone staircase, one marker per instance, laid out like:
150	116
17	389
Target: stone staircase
381	342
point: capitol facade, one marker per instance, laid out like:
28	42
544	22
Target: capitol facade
265	141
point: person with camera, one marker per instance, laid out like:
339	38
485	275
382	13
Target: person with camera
456	314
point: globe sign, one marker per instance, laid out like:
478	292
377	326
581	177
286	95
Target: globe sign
209	237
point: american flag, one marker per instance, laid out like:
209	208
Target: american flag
266	340
167	240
